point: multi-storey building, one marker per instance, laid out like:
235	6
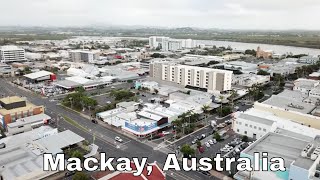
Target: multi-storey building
159	42
213	80
81	55
11	54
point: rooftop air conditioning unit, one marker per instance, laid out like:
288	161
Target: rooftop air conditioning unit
315	153
306	150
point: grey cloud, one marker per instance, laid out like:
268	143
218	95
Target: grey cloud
240	14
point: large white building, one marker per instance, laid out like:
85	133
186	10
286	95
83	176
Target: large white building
214	80
82	55
11	54
168	44
160	42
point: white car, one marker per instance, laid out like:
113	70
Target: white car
210	142
112	87
165	132
224	150
207	144
214	141
118	139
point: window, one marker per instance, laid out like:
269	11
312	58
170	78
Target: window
245	132
240	123
250	126
255	127
237	130
246	125
259	128
264	130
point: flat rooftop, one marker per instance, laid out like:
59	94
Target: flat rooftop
290	104
28	107
256	119
278	145
11	99
29	120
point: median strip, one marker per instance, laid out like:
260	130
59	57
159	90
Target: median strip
74	123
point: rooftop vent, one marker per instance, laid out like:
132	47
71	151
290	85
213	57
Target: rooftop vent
315	153
295	106
306	150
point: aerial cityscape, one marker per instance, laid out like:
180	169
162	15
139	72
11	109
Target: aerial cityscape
177	90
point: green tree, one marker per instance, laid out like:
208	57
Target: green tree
187	150
80	89
263	73
77	154
245	138
199	144
80	176
217	136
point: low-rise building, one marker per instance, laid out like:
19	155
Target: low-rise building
305	85
267	54
299	152
248	80
22	157
13	108
40	76
308	59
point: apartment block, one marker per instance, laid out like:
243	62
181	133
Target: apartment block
213	80
82	55
11	54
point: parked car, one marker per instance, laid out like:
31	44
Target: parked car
69	173
201	149
224	150
112	87
214	141
2	145
210	141
118	139
94	121
207	144
165	132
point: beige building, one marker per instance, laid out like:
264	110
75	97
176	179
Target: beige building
295	116
214	80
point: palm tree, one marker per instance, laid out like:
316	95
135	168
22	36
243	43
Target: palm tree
298	71
205	109
233	95
221	98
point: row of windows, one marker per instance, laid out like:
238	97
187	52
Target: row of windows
249	125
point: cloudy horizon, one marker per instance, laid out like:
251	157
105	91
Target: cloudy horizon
226	14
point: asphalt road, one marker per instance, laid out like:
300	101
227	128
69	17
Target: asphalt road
104	137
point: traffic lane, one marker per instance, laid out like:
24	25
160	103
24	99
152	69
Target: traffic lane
189	138
136	150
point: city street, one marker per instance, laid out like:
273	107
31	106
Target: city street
104	137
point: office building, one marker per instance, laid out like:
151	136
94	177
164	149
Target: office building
13	108
211	80
11	54
82	55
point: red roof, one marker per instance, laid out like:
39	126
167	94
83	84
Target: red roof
126	176
156	174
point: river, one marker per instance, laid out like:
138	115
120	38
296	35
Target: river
279	49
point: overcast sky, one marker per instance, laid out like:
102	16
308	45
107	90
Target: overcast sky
224	14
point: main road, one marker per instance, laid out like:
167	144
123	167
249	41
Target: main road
104	137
